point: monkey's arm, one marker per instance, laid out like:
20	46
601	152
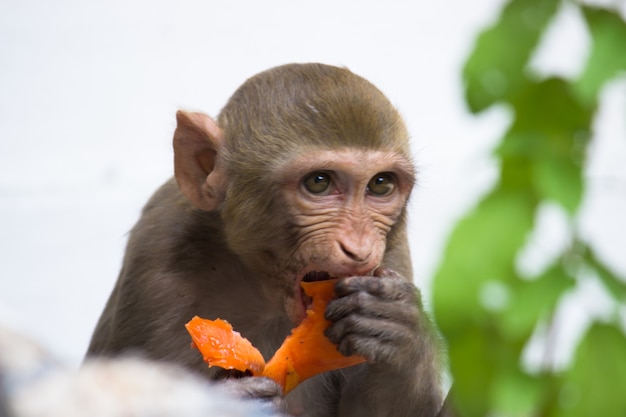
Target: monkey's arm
381	318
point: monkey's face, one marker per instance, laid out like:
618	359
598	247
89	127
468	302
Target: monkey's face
309	169
341	206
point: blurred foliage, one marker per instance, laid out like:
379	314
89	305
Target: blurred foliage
486	309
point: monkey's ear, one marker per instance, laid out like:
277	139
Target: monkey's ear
197	143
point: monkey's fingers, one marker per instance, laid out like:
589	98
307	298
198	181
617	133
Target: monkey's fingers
383	343
253	387
365	304
386	272
390	287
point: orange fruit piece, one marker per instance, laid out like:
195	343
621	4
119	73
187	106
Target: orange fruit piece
304	353
307	351
221	346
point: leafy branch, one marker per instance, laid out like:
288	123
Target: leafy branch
487	311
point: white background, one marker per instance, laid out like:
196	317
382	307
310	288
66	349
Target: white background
88	92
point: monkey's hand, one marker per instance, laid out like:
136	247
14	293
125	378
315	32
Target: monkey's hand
256	388
379	318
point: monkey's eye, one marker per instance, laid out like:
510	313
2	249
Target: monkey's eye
381	185
317	183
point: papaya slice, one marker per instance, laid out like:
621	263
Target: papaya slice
307	351
221	346
304	353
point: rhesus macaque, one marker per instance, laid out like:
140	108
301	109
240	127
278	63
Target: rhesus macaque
305	175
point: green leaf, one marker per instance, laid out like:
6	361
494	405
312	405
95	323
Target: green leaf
495	69
514	393
487	376
615	286
549	106
608	54
533	300
516	152
594	386
560	180
482	248
471	363
546	142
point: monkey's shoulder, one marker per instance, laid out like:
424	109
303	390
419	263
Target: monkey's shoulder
172	231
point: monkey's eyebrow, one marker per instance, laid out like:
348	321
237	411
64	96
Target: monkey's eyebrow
405	168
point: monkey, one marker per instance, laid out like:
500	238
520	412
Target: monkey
304	175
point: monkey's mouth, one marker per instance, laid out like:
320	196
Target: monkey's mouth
311	277
316	276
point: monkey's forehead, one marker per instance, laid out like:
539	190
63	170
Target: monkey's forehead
356	124
302	94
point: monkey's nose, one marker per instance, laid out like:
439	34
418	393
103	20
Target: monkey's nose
358	254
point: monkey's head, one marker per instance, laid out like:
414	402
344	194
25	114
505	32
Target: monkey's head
310	168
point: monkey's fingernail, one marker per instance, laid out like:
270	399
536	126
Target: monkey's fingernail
385	272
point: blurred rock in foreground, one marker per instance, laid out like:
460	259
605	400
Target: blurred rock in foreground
33	384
